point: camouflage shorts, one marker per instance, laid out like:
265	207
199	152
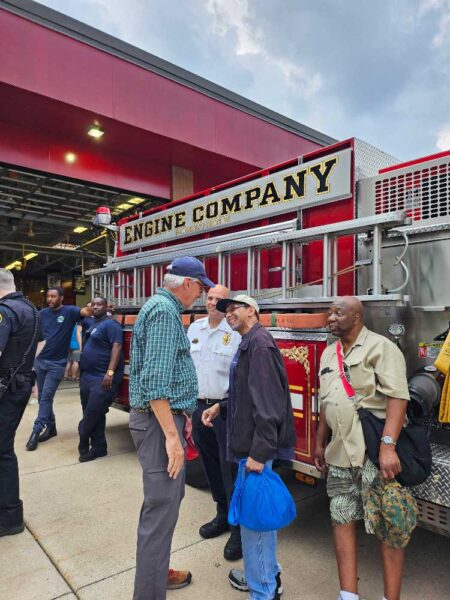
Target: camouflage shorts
389	510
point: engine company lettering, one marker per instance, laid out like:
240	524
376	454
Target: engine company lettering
269	195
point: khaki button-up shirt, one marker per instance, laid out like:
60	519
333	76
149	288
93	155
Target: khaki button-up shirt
376	370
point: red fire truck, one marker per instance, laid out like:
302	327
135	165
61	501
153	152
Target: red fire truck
346	219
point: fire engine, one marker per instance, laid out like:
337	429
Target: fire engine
347	219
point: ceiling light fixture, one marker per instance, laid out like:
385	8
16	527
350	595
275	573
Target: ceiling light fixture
70	157
80	229
124	206
30	255
135	200
64	246
13	265
95	131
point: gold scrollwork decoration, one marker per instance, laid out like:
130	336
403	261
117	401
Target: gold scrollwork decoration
298	354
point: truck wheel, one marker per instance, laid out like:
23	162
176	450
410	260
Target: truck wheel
195	473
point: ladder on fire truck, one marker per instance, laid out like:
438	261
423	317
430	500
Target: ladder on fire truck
127	281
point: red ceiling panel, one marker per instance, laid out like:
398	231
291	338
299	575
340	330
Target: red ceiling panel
37	132
59	67
39	151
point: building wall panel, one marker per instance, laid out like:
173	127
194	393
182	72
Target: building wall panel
59	67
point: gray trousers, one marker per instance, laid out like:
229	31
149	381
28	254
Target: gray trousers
159	512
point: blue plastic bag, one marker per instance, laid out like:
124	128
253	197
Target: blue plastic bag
260	501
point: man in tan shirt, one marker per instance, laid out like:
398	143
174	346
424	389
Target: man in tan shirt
375	369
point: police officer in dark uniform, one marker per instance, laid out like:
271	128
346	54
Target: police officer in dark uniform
19	336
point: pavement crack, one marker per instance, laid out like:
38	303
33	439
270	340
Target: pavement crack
132	568
83	587
75	464
54	563
188	546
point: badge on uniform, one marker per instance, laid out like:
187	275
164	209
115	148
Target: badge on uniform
195	341
226	339
1	318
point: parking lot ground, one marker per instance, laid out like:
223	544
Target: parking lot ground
81	522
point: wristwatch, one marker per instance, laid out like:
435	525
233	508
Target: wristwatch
389	440
110	372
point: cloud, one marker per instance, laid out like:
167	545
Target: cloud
441	36
443	138
442	9
429	5
375	70
234	20
234	15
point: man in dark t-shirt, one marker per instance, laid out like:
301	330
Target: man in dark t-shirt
101	368
57	322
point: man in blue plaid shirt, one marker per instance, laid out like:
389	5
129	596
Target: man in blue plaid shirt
163	386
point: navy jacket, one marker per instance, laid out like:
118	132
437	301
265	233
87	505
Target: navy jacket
262	422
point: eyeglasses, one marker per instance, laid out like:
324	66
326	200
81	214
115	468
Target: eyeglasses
202	287
233	307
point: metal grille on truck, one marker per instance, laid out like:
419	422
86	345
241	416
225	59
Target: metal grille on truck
424	193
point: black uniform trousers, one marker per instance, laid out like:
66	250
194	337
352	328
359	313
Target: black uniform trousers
95	402
12	407
211	443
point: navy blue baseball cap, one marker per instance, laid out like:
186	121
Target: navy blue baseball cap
188	266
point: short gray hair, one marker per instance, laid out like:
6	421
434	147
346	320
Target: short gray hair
172	281
7	280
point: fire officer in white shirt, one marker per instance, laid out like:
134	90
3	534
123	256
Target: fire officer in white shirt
213	345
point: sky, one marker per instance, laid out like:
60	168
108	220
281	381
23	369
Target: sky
376	70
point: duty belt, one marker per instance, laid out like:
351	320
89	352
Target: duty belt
211	401
9	382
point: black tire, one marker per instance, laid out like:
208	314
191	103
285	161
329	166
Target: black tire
195	474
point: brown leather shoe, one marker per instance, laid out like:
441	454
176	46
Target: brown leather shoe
178	579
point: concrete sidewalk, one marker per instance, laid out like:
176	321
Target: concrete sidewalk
81	530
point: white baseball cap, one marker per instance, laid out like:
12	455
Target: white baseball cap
221	306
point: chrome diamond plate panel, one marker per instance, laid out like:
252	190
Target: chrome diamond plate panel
318	335
436	488
369	159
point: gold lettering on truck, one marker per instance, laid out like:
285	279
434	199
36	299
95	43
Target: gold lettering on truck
307	182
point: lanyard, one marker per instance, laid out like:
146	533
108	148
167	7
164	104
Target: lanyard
345	382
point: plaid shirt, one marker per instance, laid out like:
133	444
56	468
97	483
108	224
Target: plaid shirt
160	362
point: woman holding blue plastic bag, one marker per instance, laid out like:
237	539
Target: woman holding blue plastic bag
260	428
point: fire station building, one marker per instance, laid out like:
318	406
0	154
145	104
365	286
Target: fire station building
88	120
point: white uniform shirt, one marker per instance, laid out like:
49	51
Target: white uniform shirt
212	351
